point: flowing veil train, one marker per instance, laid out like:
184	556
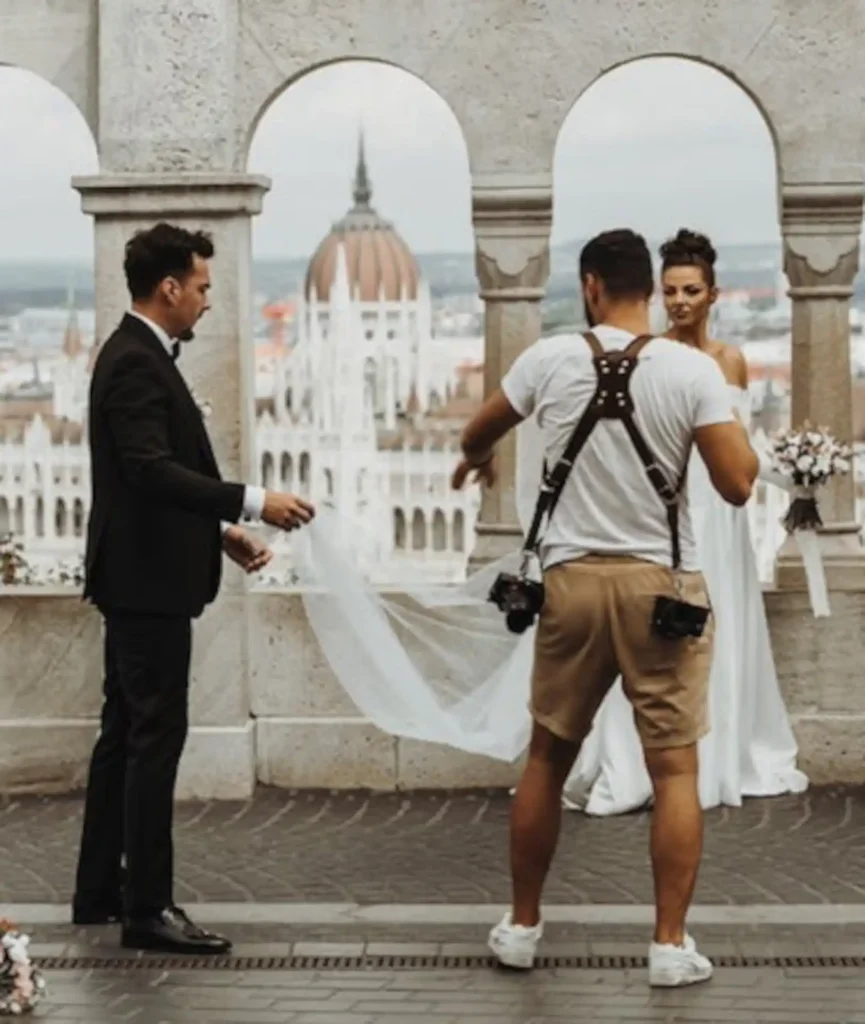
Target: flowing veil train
429	663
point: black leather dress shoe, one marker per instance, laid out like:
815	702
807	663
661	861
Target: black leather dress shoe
171	931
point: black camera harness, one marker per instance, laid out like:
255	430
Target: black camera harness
611	401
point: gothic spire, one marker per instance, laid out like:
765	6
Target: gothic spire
72	344
362	188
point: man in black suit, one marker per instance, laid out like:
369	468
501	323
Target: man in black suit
160	520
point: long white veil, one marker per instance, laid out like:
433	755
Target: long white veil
429	663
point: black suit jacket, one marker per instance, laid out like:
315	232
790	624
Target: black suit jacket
153	539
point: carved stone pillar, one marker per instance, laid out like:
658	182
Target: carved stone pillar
822	225
219	759
512	218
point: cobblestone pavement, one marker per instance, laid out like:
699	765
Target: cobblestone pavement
441	848
785	996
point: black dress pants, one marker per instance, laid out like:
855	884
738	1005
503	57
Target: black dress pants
130	790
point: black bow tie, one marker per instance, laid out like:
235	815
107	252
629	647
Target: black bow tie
175	350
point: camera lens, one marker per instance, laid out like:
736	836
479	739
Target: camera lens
519	621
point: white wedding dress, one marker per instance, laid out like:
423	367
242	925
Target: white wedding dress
437	664
750	749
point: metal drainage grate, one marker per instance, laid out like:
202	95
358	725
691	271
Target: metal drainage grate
405	963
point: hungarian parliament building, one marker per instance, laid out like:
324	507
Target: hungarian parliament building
359	406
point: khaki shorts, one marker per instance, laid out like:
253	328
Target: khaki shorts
594	626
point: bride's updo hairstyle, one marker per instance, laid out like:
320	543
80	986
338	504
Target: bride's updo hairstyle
690	249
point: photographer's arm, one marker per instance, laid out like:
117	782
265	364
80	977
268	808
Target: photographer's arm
487	427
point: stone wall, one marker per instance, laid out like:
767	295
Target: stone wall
304	731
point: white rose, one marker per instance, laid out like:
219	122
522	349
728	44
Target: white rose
804	463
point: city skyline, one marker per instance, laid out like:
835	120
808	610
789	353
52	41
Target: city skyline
639	147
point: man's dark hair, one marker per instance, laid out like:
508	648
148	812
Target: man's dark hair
164	250
621	259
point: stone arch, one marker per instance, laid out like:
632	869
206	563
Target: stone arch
671	56
439	531
399	529
303	471
56	122
286	471
459	531
654	192
418	531
267	470
264	104
40	516
403	90
74	73
690	75
5	525
78	518
60	518
18	519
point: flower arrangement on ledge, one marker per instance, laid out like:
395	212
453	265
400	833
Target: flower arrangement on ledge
809	458
15	570
12	560
21	984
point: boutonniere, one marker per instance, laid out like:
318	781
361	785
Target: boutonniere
204	407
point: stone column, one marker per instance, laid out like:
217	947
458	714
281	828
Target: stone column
512	218
821	226
219	760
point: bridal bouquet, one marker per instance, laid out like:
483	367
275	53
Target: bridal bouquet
21	985
808	458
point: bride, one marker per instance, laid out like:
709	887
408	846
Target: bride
750	749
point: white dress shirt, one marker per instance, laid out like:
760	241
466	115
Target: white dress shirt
253	497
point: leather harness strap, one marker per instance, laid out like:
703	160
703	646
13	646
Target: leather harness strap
612	400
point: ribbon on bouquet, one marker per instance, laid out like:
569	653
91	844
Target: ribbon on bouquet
802	521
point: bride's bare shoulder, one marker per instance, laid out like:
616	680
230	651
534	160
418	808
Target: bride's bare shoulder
732	361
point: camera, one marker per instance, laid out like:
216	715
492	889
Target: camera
677	620
520	598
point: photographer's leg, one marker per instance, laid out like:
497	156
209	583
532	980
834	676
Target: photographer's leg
676	838
536	816
573	669
666	681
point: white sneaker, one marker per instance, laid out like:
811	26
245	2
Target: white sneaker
514	945
672	966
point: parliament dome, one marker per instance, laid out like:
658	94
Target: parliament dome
379	263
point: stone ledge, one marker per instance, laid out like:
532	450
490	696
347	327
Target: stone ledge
325	753
433	766
51	756
194	194
830	748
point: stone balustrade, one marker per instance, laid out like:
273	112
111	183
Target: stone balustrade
301	730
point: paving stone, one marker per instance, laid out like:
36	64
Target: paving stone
445	848
774	996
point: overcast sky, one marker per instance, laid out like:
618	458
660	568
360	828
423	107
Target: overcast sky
655	145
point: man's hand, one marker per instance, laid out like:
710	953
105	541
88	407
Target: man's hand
484	473
246	551
286	511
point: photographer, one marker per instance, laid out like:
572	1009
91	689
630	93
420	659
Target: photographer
622	592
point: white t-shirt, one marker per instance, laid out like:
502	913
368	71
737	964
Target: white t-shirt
608	505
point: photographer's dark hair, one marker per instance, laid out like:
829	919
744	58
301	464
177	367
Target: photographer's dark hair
621	259
690	249
159	252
